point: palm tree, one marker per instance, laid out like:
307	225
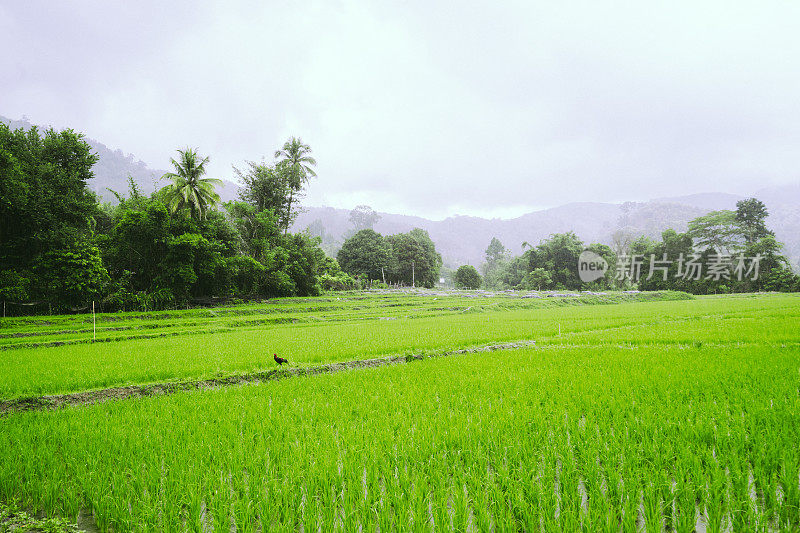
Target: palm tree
188	187
295	157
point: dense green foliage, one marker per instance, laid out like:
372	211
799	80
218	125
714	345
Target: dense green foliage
728	238
266	188
59	246
62	249
47	218
408	259
551	265
418	262
366	254
160	258
751	216
727	246
467	277
676	415
716	230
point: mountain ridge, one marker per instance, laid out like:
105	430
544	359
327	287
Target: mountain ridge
591	221
462	239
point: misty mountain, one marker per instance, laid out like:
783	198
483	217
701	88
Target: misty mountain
463	239
114	166
707	201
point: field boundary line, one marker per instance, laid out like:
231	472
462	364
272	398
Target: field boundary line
229	320
40	403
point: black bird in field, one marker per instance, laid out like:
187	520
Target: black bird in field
279	360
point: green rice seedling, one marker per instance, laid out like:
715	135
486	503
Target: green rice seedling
205	353
595	435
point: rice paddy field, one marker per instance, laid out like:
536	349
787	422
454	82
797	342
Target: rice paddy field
592	412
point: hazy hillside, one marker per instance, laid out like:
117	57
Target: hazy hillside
708	201
463	239
113	168
784	207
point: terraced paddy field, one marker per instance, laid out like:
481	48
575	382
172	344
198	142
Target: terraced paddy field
592	412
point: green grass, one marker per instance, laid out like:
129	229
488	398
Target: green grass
60	329
428	325
646	413
504	439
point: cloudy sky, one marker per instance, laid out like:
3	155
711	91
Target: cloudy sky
429	108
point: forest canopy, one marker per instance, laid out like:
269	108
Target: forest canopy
62	247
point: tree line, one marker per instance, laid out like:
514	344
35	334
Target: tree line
374	260
408	259
721	252
60	245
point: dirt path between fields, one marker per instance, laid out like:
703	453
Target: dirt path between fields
38	403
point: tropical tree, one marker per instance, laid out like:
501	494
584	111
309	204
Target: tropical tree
71	277
418	262
509	274
536	279
48	216
189	189
265	187
295	159
718	230
495	252
467	277
751	215
366	253
363	217
558	255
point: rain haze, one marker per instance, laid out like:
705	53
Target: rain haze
452	266
489	109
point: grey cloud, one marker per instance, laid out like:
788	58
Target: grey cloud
425	108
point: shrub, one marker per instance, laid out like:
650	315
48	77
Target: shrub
467	277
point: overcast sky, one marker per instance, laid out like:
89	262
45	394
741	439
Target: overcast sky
428	108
